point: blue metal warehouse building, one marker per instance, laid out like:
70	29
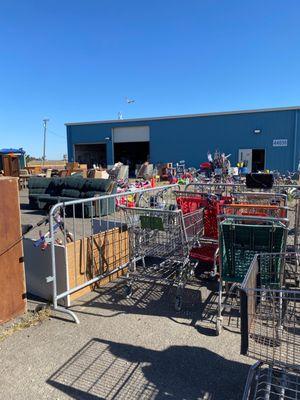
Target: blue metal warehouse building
266	138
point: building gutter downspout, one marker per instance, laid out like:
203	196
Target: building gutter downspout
295	161
112	146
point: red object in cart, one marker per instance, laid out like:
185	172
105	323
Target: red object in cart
212	207
206	254
207	260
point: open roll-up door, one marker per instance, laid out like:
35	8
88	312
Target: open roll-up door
129	134
131	145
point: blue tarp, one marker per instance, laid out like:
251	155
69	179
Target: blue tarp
8	151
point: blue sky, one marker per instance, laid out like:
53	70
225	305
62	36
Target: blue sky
72	60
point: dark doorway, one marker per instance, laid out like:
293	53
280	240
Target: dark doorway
258	160
132	153
91	154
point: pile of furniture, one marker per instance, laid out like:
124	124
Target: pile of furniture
45	192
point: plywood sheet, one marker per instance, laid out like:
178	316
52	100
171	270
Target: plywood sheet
89	257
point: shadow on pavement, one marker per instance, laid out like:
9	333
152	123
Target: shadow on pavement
104	369
199	304
148	298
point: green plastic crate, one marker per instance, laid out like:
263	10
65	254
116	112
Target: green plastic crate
240	242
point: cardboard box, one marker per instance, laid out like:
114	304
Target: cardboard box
72	165
102	175
82	172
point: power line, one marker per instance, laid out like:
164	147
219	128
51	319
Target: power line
56	134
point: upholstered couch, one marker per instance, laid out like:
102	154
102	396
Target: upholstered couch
45	192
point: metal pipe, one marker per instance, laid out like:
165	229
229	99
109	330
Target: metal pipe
109	196
91	281
67	311
238	185
295	142
252	218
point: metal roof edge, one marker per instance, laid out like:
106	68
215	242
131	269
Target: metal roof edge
120	121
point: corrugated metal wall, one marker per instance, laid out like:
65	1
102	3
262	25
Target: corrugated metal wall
190	138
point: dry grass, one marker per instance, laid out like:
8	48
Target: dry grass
31	319
39	163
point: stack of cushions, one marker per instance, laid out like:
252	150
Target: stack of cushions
45	192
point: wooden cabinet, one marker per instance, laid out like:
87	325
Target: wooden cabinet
11	165
12	280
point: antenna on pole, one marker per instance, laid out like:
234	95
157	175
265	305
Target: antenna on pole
45	121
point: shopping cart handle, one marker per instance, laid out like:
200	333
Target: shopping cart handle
208	240
253	218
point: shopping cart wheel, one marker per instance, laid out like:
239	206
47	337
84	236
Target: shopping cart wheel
218	327
128	291
178	303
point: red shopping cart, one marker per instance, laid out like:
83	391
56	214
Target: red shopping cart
205	254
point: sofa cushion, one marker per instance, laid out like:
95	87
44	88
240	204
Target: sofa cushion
97	185
70	193
76	182
55	186
38	182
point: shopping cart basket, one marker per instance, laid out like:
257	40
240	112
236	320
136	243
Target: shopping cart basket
166	235
240	238
270	327
259	210
260	198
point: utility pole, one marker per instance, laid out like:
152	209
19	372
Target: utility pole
45	121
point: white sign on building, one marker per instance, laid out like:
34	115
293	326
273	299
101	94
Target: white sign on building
280	142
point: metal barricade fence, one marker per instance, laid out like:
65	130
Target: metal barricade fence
227	188
89	240
216	188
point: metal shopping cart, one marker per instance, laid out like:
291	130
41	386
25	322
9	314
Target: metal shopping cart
270	326
166	236
240	238
205	254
